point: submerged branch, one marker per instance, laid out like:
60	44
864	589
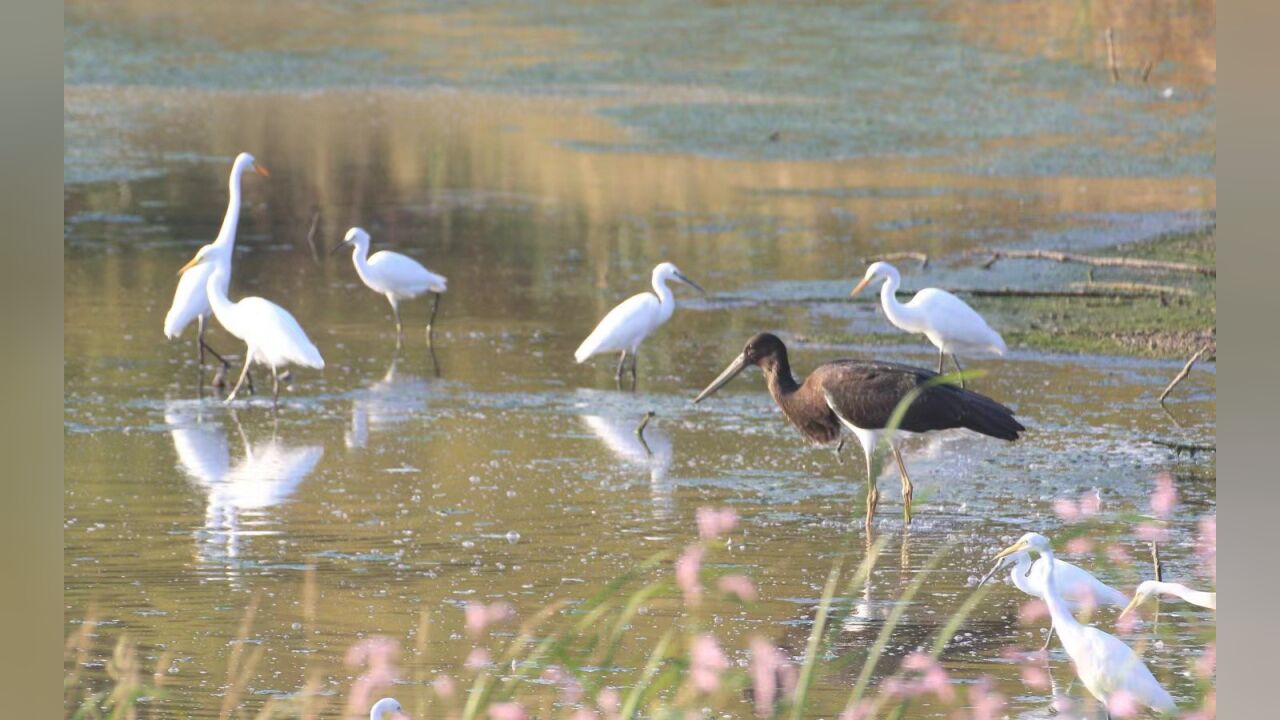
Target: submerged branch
1097	260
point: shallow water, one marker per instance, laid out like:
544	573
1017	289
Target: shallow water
545	175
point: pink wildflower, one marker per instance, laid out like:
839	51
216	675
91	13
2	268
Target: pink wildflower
1032	611
507	711
770	672
609	702
1119	555
1066	509
860	710
987	705
1126	624
739	585
1150	532
480	616
1080	546
444	686
1090	502
1122	703
1165	497
713	523
378	654
1035	677
688	566
1207	664
478	658
707	663
583	714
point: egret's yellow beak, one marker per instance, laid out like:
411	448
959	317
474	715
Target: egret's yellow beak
194	262
1135	602
859	287
261	170
1020	545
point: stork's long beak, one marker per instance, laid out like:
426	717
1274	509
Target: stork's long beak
738	365
1020	545
339	246
261	170
1135	602
685	279
860	286
190	264
999	564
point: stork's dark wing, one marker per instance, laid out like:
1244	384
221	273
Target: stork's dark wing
866	392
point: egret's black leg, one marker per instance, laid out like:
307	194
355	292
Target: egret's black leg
873	495
635	359
955	359
248	358
431	321
906	483
941	356
839	447
275	388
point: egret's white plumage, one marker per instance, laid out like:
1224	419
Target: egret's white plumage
395	276
1105	664
271	335
950	324
190	300
1079	589
627	325
1148	588
386	709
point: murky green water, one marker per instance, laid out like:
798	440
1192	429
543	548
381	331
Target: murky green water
544	163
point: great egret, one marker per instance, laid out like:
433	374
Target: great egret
628	324
949	323
190	301
1147	588
386	709
861	395
398	277
271	336
1079	589
1103	662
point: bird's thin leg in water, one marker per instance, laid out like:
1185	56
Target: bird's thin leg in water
395	312
635	359
906	483
942	355
873	495
200	340
617	377
839	447
248	358
1047	639
955	359
275	387
431	321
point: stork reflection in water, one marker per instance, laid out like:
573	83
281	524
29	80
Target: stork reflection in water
861	396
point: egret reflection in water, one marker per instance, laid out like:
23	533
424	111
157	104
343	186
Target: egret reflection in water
239	493
651	452
391	400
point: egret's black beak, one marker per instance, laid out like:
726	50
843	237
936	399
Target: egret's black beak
738	365
685	279
339	246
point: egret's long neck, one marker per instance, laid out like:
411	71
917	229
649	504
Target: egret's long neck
231	220
217	289
1021	566
360	256
665	296
898	314
1195	597
1058	610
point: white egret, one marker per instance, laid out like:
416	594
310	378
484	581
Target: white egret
190	301
271	336
398	277
628	324
949	323
1105	664
1079	589
386	709
1148	588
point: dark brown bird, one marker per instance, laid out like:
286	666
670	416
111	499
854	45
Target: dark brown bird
861	395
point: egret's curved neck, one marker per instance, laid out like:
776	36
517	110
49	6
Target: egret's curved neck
665	297
898	314
1195	597
217	289
227	234
360	256
1021	566
1058	610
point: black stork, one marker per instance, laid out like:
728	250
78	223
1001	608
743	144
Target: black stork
861	395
